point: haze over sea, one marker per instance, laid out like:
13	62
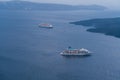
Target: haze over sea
28	52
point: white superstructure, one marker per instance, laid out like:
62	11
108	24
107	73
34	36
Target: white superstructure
77	52
45	25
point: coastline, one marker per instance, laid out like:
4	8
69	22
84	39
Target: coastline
107	26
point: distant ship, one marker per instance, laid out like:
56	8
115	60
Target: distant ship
75	52
45	25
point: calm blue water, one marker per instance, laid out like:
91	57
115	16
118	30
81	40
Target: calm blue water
28	52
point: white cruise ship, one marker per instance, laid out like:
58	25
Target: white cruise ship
45	25
75	52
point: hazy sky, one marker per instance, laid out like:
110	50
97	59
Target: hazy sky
113	4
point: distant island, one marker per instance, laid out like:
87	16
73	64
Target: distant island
108	26
25	5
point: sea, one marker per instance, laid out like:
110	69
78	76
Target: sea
28	52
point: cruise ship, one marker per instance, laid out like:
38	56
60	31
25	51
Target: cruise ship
75	52
45	25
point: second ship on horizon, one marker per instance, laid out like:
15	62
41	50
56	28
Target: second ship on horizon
45	25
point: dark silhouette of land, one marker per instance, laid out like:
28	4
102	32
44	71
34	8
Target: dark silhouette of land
25	5
108	26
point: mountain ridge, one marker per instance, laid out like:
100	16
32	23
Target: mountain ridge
25	5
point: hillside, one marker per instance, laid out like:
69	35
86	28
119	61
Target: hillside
25	5
108	26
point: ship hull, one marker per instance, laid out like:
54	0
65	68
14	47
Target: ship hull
72	54
46	27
